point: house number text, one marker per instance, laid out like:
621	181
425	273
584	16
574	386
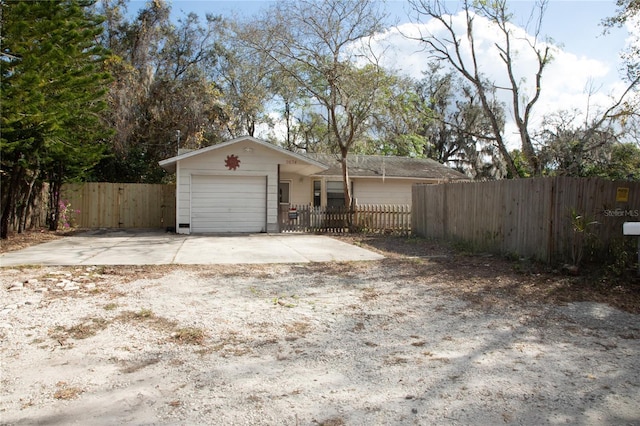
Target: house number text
292	161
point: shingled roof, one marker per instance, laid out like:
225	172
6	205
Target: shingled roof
379	166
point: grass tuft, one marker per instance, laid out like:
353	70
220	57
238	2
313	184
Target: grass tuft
189	335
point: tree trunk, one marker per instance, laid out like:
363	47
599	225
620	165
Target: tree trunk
22	224
6	213
345	178
11	191
54	204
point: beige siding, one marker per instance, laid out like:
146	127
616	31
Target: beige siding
254	161
301	188
365	191
377	191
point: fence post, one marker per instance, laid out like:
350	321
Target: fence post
552	223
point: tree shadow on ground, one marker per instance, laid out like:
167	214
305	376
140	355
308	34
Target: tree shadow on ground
490	279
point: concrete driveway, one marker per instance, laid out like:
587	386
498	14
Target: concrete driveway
127	247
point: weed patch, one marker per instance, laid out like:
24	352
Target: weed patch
66	392
298	328
87	328
189	336
146	316
231	344
333	421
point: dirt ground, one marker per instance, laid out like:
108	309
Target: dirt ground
425	336
519	280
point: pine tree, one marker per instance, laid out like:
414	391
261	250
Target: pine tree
52	91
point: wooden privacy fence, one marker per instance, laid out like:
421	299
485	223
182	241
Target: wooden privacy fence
120	205
364	218
539	218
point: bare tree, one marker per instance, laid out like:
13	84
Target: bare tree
161	85
460	134
571	142
244	77
628	10
452	50
313	42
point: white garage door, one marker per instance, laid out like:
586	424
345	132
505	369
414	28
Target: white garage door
228	203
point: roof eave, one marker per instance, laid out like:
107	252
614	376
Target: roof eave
169	164
424	178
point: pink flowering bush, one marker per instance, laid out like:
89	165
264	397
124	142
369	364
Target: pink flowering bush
66	215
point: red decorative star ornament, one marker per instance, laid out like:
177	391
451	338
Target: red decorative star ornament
232	162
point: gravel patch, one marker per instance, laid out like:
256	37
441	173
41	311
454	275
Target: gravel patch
331	344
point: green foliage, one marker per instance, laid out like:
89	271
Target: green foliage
407	145
591	149
621	162
310	42
449	50
138	165
163	84
53	85
400	115
621	256
521	164
460	132
627	10
582	237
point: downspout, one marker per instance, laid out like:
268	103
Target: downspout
279	219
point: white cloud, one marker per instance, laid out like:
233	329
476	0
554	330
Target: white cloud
633	27
276	130
568	82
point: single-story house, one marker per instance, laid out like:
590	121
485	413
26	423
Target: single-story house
242	185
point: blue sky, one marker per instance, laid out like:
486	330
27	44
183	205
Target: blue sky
584	58
574	24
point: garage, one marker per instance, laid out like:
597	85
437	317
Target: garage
233	186
228	204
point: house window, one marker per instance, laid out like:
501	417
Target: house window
335	194
283	192
317	193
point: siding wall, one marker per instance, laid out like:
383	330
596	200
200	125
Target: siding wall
377	191
254	161
365	191
301	188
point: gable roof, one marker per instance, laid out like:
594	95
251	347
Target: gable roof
329	164
170	163
387	166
